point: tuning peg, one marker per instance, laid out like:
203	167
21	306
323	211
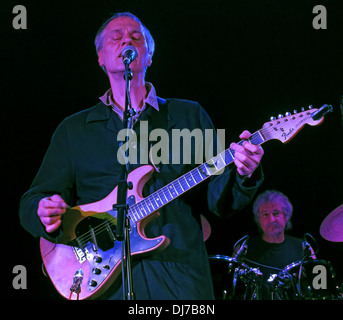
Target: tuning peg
272	118
295	111
287	114
280	116
310	106
302	109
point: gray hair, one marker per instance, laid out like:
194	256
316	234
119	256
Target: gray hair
100	35
273	196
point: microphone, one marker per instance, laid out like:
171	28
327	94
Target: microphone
77	280
129	54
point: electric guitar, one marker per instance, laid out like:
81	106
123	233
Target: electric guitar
88	256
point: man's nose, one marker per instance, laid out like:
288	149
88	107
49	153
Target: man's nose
272	218
126	41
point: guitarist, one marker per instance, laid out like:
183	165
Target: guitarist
81	166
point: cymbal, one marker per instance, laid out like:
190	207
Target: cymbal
206	227
332	227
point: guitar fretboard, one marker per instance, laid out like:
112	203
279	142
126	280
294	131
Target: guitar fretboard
190	179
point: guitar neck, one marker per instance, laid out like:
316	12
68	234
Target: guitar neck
190	179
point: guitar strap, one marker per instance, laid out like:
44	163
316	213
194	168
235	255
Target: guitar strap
159	120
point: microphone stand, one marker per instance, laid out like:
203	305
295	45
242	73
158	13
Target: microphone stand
122	207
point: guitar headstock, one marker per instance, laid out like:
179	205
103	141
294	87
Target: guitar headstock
284	128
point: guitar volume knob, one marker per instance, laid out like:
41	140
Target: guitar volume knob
97	259
92	283
96	271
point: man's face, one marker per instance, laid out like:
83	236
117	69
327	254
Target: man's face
119	33
272	218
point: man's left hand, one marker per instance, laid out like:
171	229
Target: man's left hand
248	156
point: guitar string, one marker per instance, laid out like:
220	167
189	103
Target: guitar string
255	138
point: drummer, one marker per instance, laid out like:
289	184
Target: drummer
272	250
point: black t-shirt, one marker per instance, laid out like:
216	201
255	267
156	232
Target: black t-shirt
272	258
275	255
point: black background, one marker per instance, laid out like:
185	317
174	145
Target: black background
244	61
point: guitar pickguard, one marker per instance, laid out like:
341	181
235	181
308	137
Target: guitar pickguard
96	242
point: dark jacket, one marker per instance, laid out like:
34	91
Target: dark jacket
81	165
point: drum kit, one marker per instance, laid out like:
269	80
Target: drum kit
306	279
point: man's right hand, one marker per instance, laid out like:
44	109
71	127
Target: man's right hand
50	210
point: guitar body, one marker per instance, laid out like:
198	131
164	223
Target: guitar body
88	242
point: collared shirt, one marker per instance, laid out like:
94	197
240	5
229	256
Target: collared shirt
151	99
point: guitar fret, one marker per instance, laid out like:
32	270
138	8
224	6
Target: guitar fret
258	136
184	184
195	175
145	204
189	178
150	204
207	169
209	166
228	157
158	199
192	177
221	162
172	190
142	209
137	214
218	162
161	192
201	172
232	153
171	196
177	187
140	214
178	180
215	164
133	213
188	186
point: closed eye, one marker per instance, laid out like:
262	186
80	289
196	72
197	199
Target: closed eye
137	36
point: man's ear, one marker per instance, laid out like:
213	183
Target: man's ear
149	60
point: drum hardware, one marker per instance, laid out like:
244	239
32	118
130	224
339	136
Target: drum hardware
237	281
252	278
279	284
242	251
